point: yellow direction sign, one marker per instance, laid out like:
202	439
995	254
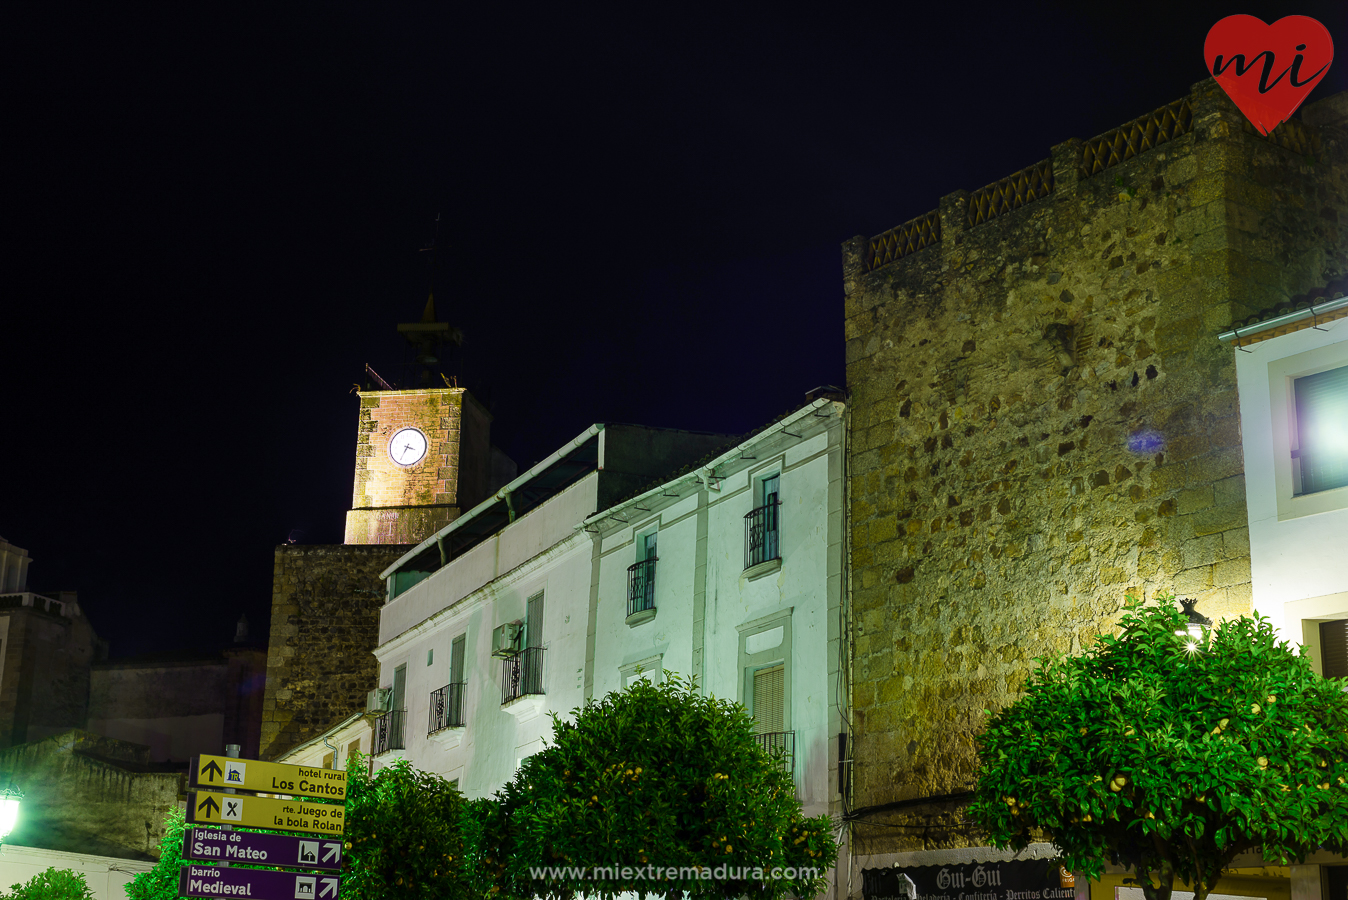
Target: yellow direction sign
210	808
272	778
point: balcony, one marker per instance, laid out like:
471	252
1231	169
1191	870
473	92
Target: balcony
390	731
446	708
522	675
641	591
779	744
762	544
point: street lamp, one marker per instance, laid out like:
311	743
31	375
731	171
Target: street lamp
9	810
1197	622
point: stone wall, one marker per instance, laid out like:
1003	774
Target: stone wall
1043	421
89	794
44	671
325	626
181	708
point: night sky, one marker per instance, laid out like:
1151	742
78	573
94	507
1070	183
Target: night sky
214	220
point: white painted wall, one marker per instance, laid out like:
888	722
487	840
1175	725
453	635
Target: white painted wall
808	583
106	876
580	561
488	586
1297	561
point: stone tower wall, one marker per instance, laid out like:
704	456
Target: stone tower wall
1043	421
392	504
325	625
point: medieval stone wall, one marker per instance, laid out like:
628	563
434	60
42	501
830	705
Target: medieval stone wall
325	625
84	793
1043	421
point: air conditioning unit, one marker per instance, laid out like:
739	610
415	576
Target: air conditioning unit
379	700
507	639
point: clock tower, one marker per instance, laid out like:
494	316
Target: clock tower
423	456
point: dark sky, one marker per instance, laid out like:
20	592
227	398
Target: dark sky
213	221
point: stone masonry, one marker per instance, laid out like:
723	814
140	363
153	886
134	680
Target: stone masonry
325	623
1043	421
392	504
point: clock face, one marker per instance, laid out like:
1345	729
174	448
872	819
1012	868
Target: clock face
407	447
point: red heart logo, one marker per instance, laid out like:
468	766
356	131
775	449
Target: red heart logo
1267	70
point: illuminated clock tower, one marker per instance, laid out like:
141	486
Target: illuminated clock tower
423	455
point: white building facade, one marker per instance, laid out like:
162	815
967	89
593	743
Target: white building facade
1292	374
733	574
729	567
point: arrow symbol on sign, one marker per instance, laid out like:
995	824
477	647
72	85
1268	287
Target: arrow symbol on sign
209	805
333	851
212	769
329	887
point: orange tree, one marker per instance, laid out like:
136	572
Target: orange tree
656	789
1171	755
404	835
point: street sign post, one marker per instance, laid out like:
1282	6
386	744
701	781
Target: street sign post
255	884
273	778
211	808
216	845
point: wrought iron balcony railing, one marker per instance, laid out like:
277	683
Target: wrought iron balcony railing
761	535
779	743
641	586
446	708
389	731
522	674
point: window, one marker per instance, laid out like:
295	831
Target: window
768	698
762	531
523	673
1308	416
641	580
765	660
389	728
1320	435
430	656
649	669
447	702
1334	648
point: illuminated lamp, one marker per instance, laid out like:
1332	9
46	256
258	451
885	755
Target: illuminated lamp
9	810
1194	631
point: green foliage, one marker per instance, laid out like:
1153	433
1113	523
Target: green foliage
403	835
653	776
161	882
1171	756
53	884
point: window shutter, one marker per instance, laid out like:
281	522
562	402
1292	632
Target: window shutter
1334	648
769	699
1322	429
533	626
456	660
399	687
